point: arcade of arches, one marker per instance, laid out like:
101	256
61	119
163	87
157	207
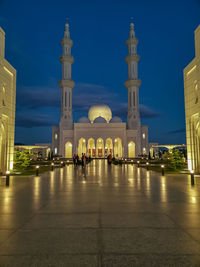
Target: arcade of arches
101	148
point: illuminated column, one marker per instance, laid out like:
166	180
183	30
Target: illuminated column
133	83
66	84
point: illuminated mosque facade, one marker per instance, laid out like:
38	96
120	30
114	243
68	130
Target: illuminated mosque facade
100	134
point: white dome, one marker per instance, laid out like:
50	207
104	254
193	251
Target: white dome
115	120
100	111
83	120
100	120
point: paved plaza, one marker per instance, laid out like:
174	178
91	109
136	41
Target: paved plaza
104	216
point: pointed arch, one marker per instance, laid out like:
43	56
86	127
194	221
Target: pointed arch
68	150
131	149
81	147
100	148
118	148
91	152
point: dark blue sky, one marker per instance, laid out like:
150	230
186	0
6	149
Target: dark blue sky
99	29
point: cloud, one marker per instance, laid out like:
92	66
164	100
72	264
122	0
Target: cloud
30	121
34	103
37	97
182	130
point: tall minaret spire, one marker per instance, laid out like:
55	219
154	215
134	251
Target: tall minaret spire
133	83
66	84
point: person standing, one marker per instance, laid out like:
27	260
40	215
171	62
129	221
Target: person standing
84	160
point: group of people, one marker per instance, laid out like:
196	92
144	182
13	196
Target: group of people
83	159
76	160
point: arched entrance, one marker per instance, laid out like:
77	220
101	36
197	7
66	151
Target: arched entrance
81	147
108	147
131	149
91	152
118	148
100	148
68	150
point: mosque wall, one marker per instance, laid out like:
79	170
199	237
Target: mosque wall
7	109
192	107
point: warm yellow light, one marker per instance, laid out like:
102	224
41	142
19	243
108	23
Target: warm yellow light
8	71
61	162
138	162
192	69
52	164
147	163
192	171
7	172
194	199
37	167
162	166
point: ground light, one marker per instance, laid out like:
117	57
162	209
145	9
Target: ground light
37	170
163	169
7	178
138	163
52	164
192	177
147	166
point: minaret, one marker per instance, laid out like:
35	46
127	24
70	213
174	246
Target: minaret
133	83
66	84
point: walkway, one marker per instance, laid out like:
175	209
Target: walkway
107	216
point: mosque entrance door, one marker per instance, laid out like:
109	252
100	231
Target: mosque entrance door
100	154
93	152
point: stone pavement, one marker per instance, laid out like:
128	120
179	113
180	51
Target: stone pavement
106	216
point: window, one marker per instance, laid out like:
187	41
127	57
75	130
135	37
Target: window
143	135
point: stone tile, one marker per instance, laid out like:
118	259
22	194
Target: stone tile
186	220
150	260
51	241
170	241
49	260
195	233
4	235
155	220
45	221
10	221
70	208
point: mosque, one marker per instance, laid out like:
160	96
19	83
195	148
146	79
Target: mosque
100	133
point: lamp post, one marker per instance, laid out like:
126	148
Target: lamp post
163	170
52	164
61	164
37	170
138	163
7	178
147	166
192	177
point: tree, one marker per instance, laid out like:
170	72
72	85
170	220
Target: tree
22	159
175	159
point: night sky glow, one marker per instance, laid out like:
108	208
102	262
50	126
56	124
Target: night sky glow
99	29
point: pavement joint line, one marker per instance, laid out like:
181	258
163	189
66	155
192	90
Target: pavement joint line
105	254
185	230
17	229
